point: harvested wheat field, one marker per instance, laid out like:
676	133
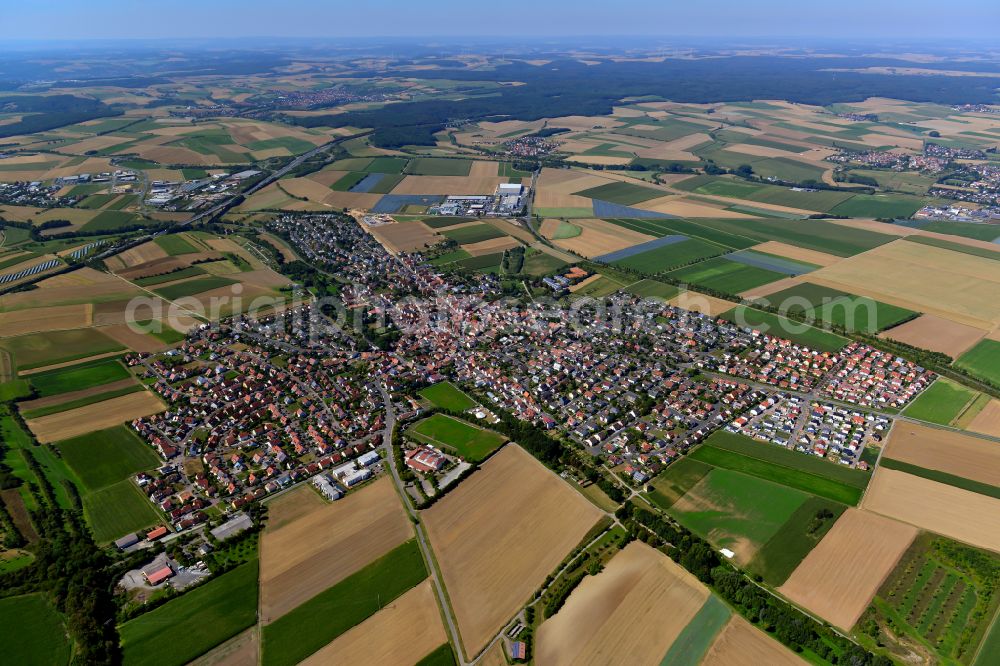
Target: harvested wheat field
695	302
987	422
37	320
401	634
134	256
839	577
242	650
404	236
454	185
924	278
598	237
960	514
303	556
499	534
37	403
98	416
740	642
495	656
797	253
946	451
937	334
491	246
134	340
641	592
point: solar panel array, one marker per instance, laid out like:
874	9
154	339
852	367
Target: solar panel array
82	251
37	268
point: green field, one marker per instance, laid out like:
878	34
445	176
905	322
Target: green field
198	620
653	289
110	219
625	194
438	166
778	558
486	263
940	403
790	468
599	288
942	594
450	257
821	200
106	457
982	361
540	263
949	245
666	257
781	327
389	165
691	645
566	230
78	377
472	443
348	180
193	286
507	170
36	350
474	233
152	280
175	245
444	221
678	478
301	632
698	230
738	511
727	276
447	396
32	632
96	201
117	510
879	205
831	306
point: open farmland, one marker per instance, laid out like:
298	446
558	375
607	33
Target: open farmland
335	610
942	403
722	274
470	442
832	306
953	512
781	327
780	465
301	558
736	511
777	559
639	592
116	510
105	457
872	543
78	377
946	451
96	416
483	525
204	617
42	349
741	642
936	334
400	634
32	631
983	361
666	257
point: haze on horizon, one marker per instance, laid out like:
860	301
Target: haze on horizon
53	20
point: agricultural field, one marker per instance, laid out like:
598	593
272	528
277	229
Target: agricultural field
448	396
91	416
105	457
639	592
481	526
832	306
722	274
776	560
116	510
475	233
942	403
960	456
652	289
666	257
740	641
873	546
348	603
936	334
309	546
78	377
982	361
52	347
781	327
940	601
938	507
205	617
790	468
401	633
621	193
32	631
468	441
737	511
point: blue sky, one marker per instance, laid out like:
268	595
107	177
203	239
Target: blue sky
867	19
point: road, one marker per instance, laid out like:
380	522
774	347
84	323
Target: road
390	426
